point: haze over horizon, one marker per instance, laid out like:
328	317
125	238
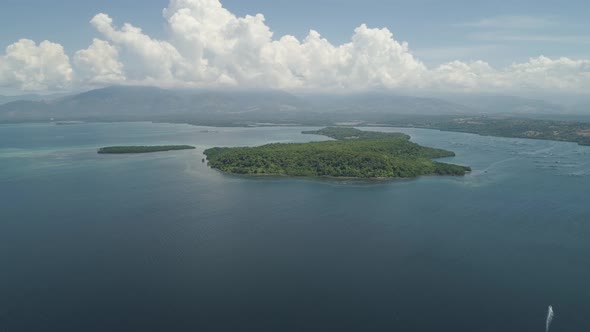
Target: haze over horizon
203	43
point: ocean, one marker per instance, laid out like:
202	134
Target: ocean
161	242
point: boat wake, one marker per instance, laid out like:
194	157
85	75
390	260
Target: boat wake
549	318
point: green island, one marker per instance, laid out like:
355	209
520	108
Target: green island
354	154
343	133
142	149
568	131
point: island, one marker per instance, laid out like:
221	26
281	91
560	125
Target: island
343	133
353	154
142	149
501	126
65	123
547	127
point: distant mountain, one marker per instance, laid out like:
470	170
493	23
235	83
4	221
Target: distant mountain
386	103
31	97
9	99
239	107
119	103
149	100
149	103
500	104
24	110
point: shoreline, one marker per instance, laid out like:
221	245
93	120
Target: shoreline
335	178
367	125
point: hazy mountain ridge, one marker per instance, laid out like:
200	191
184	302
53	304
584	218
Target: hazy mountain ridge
382	102
507	104
135	103
10	99
32	97
146	103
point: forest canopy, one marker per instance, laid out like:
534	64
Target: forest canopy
355	154
142	149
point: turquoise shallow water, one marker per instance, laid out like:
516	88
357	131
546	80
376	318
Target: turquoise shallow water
160	242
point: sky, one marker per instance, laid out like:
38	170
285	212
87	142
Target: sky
513	47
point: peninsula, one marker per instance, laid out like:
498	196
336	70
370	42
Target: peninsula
142	149
353	154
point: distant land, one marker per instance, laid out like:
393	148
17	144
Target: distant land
355	154
142	149
31	97
569	131
342	133
213	107
503	116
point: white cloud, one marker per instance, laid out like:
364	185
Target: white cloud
99	63
159	59
523	29
210	46
221	47
213	46
511	22
463	76
560	74
536	75
28	66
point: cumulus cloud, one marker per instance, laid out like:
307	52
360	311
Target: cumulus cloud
99	63
537	74
159	59
457	75
561	74
209	46
28	66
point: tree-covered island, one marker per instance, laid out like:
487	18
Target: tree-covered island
142	149
354	154
342	133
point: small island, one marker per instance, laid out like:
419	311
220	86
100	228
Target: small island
142	149
343	133
353	154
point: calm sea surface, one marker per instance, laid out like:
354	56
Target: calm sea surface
160	242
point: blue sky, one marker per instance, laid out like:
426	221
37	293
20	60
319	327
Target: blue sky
437	31
500	33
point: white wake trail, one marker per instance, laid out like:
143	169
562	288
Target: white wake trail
549	319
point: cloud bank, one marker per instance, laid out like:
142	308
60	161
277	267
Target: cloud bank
28	66
208	46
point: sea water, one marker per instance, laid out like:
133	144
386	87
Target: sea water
161	242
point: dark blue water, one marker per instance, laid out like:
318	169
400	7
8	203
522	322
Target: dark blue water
159	242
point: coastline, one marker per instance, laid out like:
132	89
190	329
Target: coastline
319	125
336	178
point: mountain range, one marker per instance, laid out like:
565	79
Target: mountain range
231	107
